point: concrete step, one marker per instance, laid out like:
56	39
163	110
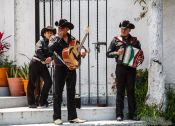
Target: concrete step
25	115
21	101
96	123
9	101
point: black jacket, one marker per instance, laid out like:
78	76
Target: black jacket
116	44
58	47
42	49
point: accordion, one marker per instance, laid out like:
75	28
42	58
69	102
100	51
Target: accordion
132	56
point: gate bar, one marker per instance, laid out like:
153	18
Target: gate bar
97	61
37	20
44	13
61	8
88	62
106	57
79	39
50	12
70	12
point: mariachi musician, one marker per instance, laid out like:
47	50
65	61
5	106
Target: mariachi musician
125	74
64	72
38	68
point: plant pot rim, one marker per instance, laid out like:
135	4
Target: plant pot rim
25	79
4	68
14	78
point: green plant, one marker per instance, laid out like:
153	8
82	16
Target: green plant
141	88
13	72
151	114
24	72
6	63
170	105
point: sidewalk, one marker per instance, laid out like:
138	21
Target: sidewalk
96	123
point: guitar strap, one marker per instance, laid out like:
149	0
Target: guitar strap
59	58
119	38
53	41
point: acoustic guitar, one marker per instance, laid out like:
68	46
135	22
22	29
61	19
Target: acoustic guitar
71	55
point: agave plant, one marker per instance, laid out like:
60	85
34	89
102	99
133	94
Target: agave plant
6	63
13	72
24	72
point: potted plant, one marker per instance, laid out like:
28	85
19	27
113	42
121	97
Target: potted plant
4	62
24	74
4	68
16	86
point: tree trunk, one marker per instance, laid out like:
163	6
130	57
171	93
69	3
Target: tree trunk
156	84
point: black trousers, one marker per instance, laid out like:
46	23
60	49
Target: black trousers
62	75
125	78
37	70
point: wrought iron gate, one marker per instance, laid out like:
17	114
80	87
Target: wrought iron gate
45	14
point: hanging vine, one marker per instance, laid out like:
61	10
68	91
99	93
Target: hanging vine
144	5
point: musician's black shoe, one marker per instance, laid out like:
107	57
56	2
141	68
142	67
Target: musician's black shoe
45	105
33	106
133	118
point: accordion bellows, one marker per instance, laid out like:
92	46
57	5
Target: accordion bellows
132	56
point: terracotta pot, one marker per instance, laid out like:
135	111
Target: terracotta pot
25	82
3	77
16	86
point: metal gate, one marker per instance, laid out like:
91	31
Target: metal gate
93	72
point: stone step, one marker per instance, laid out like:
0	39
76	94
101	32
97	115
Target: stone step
96	123
25	115
21	101
10	102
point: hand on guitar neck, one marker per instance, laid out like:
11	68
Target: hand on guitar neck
83	52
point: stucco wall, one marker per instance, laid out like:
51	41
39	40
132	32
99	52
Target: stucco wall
23	26
7	23
169	41
24	29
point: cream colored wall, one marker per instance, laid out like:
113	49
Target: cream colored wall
169	41
23	26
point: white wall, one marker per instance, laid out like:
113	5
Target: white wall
7	23
24	29
118	10
169	41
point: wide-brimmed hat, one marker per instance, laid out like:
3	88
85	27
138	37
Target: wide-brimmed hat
64	23
126	24
46	29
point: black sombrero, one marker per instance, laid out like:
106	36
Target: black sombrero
126	24
64	23
48	28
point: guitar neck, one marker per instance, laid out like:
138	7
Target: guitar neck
82	42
